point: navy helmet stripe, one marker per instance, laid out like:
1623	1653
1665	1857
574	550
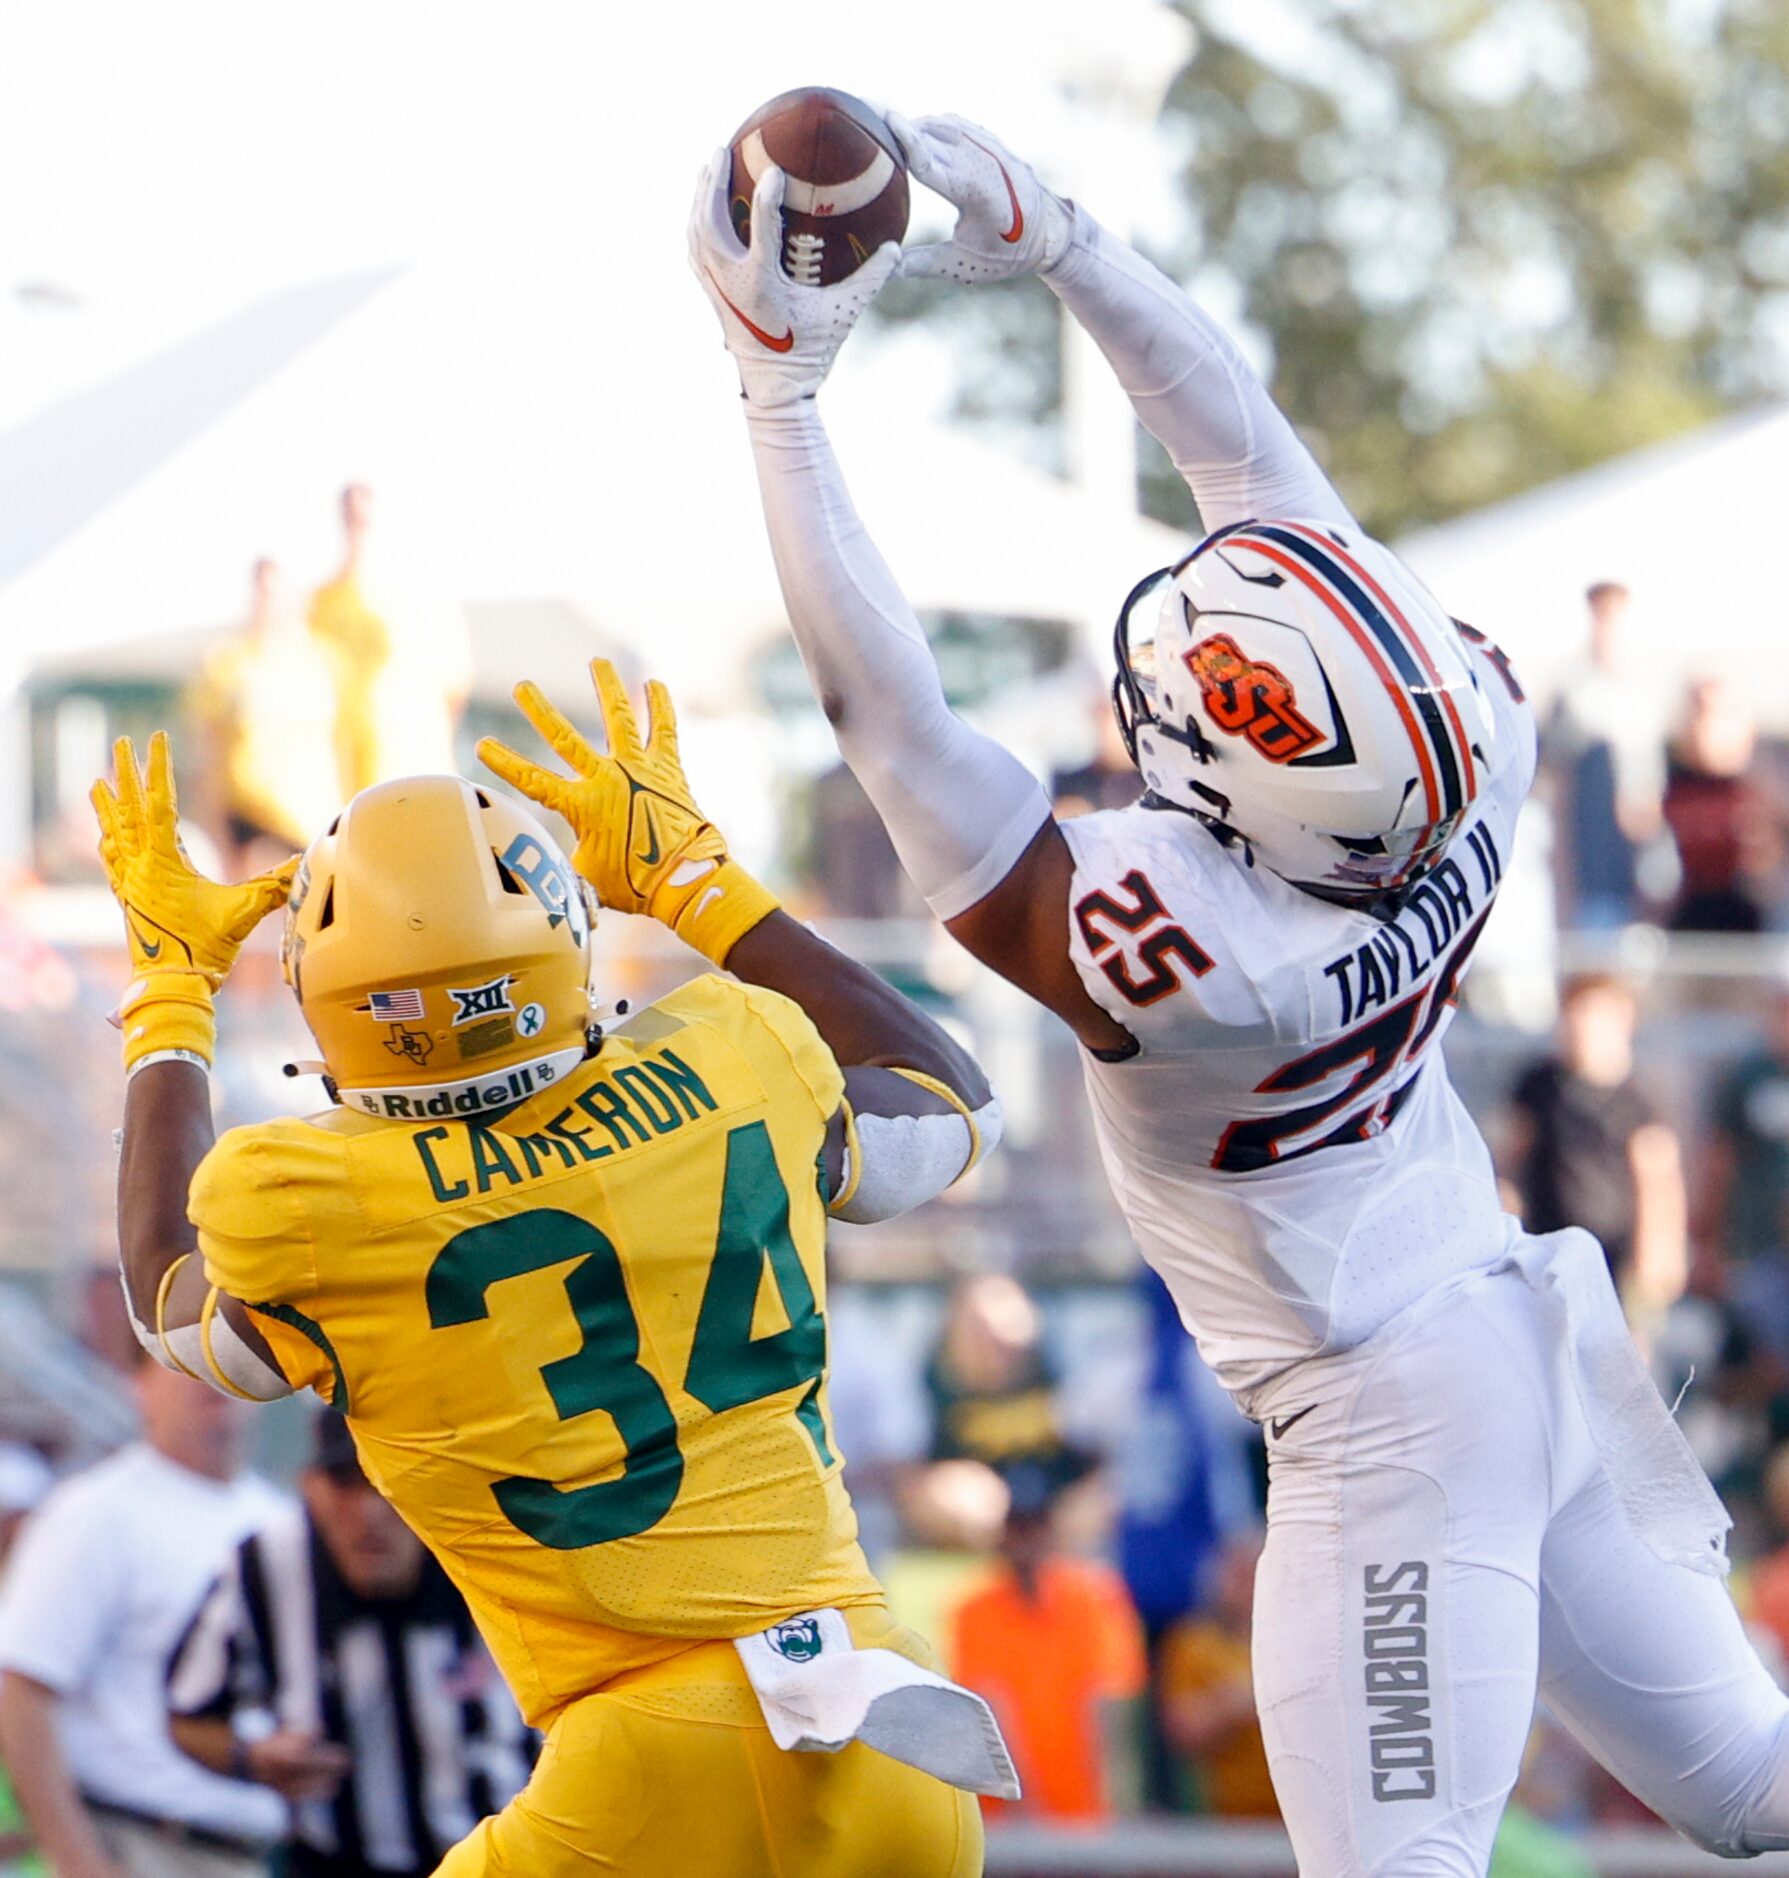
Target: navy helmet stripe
1391	641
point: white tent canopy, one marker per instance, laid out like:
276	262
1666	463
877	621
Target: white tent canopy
540	395
1683	524
514	459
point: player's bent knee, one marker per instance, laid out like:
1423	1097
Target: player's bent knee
1740	1844
1760	1821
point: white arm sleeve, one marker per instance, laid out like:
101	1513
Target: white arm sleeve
959	808
1192	390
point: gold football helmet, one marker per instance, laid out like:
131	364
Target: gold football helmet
438	943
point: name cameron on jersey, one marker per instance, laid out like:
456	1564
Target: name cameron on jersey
632	1105
1440	907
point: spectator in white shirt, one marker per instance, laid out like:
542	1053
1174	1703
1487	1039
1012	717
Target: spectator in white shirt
25	1478
1606	745
105	1579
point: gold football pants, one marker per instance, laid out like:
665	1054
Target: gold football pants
670	1772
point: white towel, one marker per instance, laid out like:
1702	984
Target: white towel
1659	1482
819	1691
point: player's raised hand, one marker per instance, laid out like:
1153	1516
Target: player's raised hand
176	920
783	334
183	930
642	842
1008	223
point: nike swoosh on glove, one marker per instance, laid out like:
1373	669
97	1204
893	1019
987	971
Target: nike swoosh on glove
175	918
1008	223
783	336
183	930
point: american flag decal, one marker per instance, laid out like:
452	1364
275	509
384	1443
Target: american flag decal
395	1007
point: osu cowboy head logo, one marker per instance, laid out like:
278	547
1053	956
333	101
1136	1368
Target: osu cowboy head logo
1252	700
799	1639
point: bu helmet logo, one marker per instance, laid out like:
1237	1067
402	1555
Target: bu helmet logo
416	1046
799	1639
1251	700
551	885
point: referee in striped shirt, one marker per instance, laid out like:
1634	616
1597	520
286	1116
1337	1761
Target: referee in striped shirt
334	1662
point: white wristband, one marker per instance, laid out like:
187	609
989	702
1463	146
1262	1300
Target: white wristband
166	1056
901	1161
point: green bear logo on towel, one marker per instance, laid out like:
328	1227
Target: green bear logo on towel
799	1639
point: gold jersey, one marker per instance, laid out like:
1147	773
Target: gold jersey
582	1346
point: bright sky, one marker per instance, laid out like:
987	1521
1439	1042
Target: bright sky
168	163
542	378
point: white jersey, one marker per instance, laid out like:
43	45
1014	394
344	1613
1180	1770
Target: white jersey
1286	1144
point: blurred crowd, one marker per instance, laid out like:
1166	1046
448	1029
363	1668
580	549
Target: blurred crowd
1683	822
200	1673
1053	1485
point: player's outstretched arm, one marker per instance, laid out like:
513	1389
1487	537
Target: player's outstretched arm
969	821
1190	386
183	932
918	1112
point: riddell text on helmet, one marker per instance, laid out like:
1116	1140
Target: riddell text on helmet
500	1092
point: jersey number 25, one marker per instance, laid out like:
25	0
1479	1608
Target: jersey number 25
1102	916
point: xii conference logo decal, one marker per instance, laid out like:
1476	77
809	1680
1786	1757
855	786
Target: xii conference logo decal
487	1000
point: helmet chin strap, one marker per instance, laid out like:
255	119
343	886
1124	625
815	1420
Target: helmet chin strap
309	1066
1378	903
1225	835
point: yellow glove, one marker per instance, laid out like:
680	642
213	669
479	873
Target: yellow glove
184	931
642	842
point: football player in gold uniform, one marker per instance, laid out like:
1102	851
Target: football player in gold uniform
568	1286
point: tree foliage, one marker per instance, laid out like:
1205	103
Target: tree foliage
1490	242
1479	243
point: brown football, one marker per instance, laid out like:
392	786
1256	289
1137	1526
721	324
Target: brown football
846	192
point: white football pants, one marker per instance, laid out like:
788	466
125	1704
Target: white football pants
1442	1540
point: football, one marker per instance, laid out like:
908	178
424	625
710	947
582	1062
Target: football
847	182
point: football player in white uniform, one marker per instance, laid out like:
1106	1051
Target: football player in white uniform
1475	1490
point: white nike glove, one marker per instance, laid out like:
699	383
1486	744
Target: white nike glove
1008	223
783	336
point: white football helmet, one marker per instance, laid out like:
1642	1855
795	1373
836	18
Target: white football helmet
1293	684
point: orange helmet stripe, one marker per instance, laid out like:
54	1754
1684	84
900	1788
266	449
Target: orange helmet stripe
1309	580
1468	769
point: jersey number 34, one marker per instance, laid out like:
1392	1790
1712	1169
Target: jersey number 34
728	1367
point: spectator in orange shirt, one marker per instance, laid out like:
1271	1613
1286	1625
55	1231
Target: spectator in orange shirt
1208	1691
1056	1648
1770	1576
